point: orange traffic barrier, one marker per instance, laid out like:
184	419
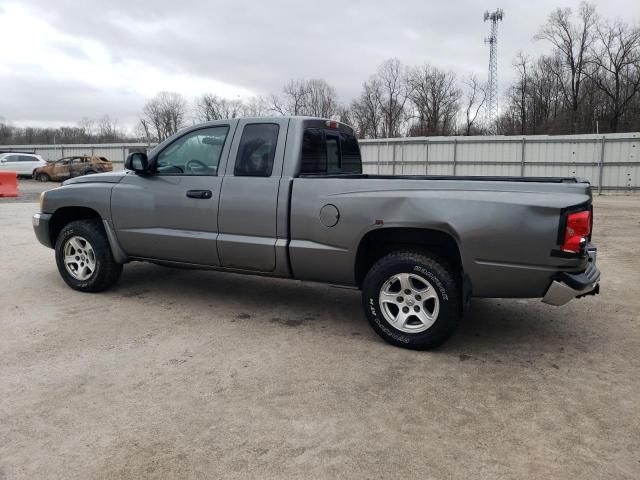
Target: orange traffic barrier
8	184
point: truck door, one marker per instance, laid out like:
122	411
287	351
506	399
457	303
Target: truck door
249	197
173	214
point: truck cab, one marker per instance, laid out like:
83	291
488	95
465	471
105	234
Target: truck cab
215	195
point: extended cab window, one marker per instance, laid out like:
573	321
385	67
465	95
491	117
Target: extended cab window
257	150
196	153
333	154
329	151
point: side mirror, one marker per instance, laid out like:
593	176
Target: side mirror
138	162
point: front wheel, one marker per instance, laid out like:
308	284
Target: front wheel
412	299
42	177
84	258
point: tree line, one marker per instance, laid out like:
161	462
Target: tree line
587	82
395	101
102	130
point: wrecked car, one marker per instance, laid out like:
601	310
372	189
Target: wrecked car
69	167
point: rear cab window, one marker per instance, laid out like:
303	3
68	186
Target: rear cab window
257	150
329	152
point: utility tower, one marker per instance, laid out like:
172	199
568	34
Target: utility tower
492	85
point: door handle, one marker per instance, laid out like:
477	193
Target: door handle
203	194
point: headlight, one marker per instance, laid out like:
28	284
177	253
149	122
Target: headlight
42	200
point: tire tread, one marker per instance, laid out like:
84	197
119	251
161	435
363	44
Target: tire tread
109	270
446	322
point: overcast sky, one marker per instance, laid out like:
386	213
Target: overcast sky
61	60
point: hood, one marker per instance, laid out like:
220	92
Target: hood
108	177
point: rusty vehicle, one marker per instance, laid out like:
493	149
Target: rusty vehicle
69	167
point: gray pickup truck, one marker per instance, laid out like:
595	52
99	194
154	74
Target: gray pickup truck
286	197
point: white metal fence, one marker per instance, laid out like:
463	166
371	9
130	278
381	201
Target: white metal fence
116	152
611	162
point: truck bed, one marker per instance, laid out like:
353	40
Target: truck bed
478	178
505	227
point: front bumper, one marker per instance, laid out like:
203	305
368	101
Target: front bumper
567	286
40	222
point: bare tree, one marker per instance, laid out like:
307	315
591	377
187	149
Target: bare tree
344	115
313	97
256	107
589	82
392	81
615	71
520	91
572	41
321	99
164	115
142	131
211	107
545	105
293	99
474	99
87	126
436	97
108	129
366	110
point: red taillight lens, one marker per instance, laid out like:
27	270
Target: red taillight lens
578	227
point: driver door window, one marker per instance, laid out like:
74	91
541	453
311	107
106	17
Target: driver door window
196	153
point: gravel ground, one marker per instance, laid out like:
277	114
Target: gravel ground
193	374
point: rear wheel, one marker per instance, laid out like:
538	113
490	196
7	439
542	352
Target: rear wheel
42	177
412	299
84	258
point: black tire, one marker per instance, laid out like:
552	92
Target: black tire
106	270
427	267
89	172
42	177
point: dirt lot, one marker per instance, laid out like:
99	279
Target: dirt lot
191	374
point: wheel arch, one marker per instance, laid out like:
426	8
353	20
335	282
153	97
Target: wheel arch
64	215
375	244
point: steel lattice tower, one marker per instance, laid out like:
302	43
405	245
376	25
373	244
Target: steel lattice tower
492	84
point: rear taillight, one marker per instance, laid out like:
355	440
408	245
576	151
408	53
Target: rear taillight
578	227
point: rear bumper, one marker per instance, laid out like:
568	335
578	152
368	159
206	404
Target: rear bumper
40	222
567	286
